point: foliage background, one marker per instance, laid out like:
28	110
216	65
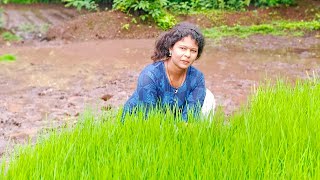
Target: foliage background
161	11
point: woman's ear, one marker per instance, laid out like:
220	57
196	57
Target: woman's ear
170	52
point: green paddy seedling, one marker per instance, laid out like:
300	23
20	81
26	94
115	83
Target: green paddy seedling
275	137
7	57
280	28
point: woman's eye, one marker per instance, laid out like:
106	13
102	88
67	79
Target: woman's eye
194	51
182	48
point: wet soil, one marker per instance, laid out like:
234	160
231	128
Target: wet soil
50	85
31	22
53	81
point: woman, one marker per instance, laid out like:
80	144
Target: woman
171	80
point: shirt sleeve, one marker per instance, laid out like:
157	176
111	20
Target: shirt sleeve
195	99
147	89
145	95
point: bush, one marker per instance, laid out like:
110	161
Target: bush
158	10
147	10
195	5
8	36
79	4
271	2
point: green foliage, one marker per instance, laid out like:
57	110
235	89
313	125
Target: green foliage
165	21
32	28
44	28
27	27
31	1
159	10
317	17
7	57
1	18
185	7
134	21
79	4
8	36
147	10
125	26
273	2
276	28
179	7
275	137
104	2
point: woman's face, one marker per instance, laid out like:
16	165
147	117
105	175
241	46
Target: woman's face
184	52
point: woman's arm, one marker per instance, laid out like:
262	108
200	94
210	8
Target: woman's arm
195	99
145	95
147	89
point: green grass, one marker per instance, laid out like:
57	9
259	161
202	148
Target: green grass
275	137
27	27
277	28
1	18
8	36
7	57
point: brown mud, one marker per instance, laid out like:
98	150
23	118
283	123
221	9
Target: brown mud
52	82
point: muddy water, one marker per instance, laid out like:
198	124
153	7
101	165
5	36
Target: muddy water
51	84
233	73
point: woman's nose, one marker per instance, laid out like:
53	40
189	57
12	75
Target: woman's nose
187	53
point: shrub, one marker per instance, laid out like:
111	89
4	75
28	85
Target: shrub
271	2
8	36
147	10
79	4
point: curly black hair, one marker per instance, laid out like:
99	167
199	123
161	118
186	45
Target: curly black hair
178	32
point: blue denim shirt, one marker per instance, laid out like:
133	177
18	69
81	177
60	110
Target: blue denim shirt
154	89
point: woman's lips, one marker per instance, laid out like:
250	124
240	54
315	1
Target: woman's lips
185	62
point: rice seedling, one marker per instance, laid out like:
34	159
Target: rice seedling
280	28
7	57
274	137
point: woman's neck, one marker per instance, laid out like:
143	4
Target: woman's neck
175	75
174	70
